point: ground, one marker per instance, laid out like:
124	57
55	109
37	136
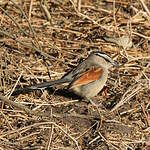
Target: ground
40	41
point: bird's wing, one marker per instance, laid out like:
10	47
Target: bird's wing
87	77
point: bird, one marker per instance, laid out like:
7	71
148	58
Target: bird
124	41
86	80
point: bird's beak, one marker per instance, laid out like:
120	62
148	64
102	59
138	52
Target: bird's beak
115	64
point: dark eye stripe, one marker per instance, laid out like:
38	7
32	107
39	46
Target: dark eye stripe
99	53
104	55
107	59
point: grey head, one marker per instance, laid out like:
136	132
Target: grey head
110	62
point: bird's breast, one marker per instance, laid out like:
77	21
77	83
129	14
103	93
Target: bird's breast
91	89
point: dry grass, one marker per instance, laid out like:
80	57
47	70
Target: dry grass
40	41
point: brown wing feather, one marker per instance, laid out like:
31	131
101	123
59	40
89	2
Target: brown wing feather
90	76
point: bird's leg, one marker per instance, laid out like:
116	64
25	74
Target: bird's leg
95	105
91	101
105	91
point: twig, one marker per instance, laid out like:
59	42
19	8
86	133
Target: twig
146	116
87	17
42	124
49	142
17	105
37	113
114	13
31	4
30	26
79	5
141	35
29	46
24	32
145	7
127	95
44	7
15	85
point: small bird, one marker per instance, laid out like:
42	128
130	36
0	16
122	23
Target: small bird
86	80
124	41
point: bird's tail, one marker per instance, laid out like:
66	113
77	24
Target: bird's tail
41	86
